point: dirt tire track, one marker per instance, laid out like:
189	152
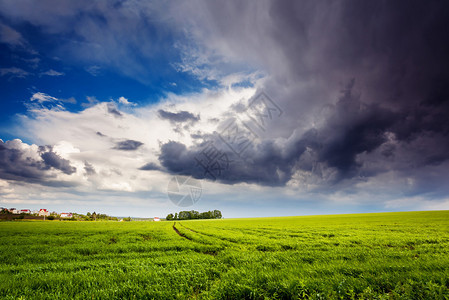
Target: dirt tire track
189	228
212	236
179	233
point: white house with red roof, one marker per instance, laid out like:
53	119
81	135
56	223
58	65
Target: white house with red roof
66	215
44	212
156	219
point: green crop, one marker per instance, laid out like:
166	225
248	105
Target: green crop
357	256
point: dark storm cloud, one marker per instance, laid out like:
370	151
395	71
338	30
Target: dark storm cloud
22	164
128	145
176	158
389	56
264	163
396	51
53	160
150	167
16	167
353	134
353	128
182	116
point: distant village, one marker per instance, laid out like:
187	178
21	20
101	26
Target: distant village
44	214
41	212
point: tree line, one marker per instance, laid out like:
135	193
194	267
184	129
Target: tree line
193	215
94	217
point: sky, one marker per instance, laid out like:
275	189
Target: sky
255	108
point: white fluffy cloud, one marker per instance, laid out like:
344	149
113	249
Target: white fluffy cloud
124	101
106	171
90	147
101	141
42	97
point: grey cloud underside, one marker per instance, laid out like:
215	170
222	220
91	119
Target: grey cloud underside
89	168
392	118
16	165
113	110
150	167
182	116
128	145
52	160
268	162
357	140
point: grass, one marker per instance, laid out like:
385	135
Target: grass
357	256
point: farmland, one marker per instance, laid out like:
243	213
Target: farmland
367	256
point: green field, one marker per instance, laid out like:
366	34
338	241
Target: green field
359	256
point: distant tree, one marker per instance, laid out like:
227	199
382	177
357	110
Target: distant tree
185	215
217	214
206	215
103	217
193	214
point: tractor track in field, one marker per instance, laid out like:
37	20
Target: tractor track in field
212	236
179	233
223	239
186	237
192	230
